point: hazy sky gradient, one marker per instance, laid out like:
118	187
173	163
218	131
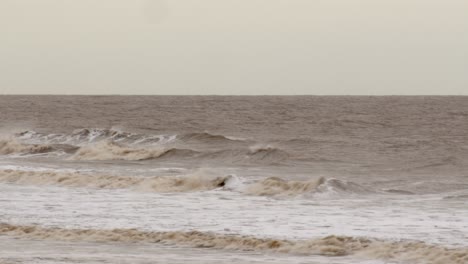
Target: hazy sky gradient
234	47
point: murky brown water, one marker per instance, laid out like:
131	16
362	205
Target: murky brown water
373	170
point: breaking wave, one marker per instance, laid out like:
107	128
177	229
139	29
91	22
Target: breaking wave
108	150
93	135
274	186
108	144
198	181
408	251
112	151
343	187
12	146
277	186
201	180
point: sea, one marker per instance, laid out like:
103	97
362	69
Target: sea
233	179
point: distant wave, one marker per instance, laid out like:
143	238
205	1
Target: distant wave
407	251
252	155
107	150
397	191
112	151
456	197
93	135
207	137
267	153
107	144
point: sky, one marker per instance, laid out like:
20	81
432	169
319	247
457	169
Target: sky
234	47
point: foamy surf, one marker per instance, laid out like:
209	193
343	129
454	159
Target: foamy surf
277	186
103	145
93	135
201	180
12	146
407	251
112	151
197	181
277	168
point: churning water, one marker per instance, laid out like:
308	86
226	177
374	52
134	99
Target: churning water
210	179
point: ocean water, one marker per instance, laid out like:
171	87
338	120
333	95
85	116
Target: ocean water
212	179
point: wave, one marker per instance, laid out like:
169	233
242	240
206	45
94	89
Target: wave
343	187
93	135
249	156
269	153
12	146
108	150
277	186
398	191
274	186
198	181
456	197
208	138
201	180
410	251
112	151
107	144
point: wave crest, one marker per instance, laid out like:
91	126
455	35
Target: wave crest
201	180
108	150
198	181
277	186
93	135
112	151
268	153
13	147
207	137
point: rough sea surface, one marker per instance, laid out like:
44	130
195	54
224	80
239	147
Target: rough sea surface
211	179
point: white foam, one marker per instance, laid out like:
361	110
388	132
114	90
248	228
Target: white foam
428	219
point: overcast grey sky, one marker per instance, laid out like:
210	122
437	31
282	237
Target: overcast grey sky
234	47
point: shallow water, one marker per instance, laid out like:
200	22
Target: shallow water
259	179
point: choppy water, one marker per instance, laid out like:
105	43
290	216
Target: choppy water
118	179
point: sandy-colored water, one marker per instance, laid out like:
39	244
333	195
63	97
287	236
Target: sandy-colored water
233	179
